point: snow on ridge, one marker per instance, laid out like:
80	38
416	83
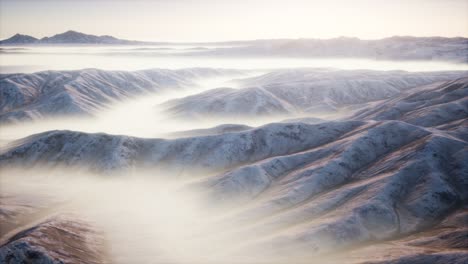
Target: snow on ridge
216	152
217	130
302	91
82	92
59	239
431	106
380	179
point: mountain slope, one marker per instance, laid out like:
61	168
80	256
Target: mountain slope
62	239
19	39
229	102
301	92
73	37
105	152
437	105
82	92
324	187
217	130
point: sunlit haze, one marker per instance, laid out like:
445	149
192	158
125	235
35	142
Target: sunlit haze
216	20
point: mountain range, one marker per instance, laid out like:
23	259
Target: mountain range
69	37
287	93
84	92
392	48
302	92
387	185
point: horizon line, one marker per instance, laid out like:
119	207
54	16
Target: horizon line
243	40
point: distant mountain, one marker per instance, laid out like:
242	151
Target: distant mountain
19	39
393	48
69	37
73	37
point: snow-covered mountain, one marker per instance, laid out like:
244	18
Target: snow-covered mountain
358	188
388	180
301	92
388	185
438	104
102	151
82	92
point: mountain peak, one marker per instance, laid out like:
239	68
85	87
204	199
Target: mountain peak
75	37
19	39
72	32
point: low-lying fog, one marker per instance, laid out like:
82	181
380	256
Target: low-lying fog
145	217
31	59
142	116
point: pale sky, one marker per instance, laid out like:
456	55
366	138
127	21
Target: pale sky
218	20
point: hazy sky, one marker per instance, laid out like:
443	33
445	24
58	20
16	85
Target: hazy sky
211	20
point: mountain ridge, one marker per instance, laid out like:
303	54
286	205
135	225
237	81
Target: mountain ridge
82	92
301	92
69	37
46	40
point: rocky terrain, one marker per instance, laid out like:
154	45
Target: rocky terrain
388	185
62	239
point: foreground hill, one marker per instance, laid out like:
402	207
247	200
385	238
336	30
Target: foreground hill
82	92
55	240
302	92
344	191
